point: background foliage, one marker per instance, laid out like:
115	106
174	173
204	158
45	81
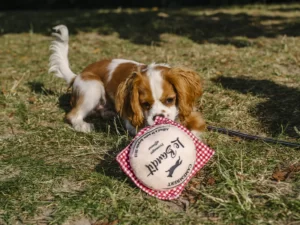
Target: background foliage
56	4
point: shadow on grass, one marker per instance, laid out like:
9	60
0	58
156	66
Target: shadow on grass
109	165
280	113
39	88
64	102
146	27
111	168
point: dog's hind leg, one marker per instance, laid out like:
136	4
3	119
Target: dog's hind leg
89	94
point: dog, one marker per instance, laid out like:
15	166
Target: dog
137	92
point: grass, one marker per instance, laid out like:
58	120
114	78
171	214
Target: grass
249	58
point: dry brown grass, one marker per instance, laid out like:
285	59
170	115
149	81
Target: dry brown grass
249	58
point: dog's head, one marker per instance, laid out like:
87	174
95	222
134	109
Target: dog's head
158	90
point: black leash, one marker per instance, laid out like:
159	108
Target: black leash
252	137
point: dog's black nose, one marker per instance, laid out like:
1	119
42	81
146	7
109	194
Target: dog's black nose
159	115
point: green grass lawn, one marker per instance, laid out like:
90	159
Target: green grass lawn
249	58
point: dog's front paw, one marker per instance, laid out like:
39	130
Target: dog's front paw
84	127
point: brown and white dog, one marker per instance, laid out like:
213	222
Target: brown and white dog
137	92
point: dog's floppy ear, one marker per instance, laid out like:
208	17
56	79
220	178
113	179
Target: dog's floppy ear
127	100
188	86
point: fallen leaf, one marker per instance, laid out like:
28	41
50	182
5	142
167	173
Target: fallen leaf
295	167
191	199
211	181
280	175
31	100
237	139
114	222
3	91
288	171
241	176
11	114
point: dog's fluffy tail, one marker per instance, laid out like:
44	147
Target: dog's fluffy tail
59	62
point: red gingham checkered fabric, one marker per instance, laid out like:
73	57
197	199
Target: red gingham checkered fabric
204	153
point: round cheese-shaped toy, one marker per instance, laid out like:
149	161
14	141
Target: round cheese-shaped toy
163	157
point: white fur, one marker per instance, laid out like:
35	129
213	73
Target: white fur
114	64
59	63
155	79
153	65
92	93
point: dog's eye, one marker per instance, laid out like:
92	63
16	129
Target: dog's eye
146	105
169	100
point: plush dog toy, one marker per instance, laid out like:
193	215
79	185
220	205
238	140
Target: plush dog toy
162	158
